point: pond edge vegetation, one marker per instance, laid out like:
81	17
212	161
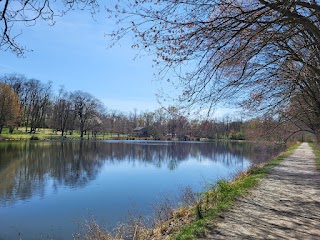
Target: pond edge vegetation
316	150
189	222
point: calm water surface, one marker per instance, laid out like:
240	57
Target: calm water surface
47	189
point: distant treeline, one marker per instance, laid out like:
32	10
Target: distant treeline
31	104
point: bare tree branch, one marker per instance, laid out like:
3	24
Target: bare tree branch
31	11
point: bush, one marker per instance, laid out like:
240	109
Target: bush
34	138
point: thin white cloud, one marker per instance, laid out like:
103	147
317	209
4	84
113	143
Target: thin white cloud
5	68
130	105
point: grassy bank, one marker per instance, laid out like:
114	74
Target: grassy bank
222	195
50	134
316	151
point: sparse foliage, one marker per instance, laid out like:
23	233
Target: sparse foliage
263	55
86	109
9	107
63	113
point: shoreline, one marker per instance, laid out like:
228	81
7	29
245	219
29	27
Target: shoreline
222	196
191	221
59	138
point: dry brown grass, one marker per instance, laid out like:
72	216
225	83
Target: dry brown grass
167	220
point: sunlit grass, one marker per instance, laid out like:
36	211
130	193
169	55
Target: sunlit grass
316	151
50	134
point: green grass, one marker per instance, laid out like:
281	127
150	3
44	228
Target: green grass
222	195
316	151
46	133
21	134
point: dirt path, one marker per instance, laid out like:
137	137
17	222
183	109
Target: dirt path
285	205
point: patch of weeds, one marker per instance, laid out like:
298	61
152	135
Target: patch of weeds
192	232
222	195
163	209
316	150
93	231
187	196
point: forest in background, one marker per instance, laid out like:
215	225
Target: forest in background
30	105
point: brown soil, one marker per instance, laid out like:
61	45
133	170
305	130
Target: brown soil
285	204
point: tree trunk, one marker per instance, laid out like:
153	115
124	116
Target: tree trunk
81	129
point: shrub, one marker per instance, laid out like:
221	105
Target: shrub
34	138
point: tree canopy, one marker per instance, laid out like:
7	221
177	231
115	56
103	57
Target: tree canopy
263	55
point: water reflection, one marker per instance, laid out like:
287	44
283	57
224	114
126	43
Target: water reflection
26	167
45	186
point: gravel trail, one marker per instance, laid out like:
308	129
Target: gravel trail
284	205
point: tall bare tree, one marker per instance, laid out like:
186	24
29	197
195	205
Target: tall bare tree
86	108
36	100
63	112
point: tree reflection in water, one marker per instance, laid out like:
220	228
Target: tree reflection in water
25	167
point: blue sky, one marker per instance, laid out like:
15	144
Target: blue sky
75	53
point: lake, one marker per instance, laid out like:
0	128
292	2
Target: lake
49	188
